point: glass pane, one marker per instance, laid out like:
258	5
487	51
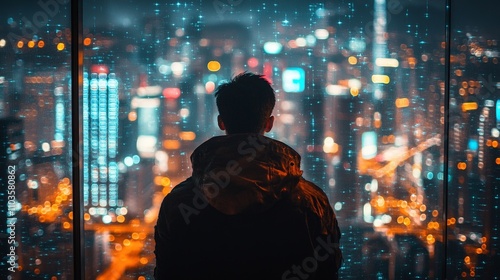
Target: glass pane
474	155
360	89
35	141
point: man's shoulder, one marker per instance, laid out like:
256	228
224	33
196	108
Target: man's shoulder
315	203
180	198
310	192
180	193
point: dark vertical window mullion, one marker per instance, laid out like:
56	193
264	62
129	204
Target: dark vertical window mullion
446	135
76	79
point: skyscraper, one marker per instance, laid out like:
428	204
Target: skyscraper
3	97
100	141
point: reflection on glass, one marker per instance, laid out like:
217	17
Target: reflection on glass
35	148
352	98
474	157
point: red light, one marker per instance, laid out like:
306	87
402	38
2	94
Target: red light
99	69
253	62
171	93
268	72
210	87
143	80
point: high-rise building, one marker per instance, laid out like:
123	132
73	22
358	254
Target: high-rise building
98	251
45	109
100	106
3	97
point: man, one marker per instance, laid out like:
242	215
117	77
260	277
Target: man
246	212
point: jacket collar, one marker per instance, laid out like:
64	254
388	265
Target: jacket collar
244	172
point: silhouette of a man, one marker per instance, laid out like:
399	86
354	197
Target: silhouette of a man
246	212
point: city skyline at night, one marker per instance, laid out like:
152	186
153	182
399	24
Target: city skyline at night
361	93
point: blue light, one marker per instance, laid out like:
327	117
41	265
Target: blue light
498	113
369	144
113	172
86	133
94	195
273	47
473	145
112	115
294	79
357	45
128	161
136	159
59	120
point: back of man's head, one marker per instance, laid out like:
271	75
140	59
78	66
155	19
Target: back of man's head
245	103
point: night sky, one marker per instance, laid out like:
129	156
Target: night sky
478	15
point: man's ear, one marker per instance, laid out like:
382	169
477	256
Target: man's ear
269	124
220	123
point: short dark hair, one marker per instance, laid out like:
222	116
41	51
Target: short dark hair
245	103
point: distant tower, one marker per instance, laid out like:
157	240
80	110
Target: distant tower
339	146
3	97
100	141
45	109
379	43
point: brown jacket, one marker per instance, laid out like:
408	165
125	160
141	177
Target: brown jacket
246	213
